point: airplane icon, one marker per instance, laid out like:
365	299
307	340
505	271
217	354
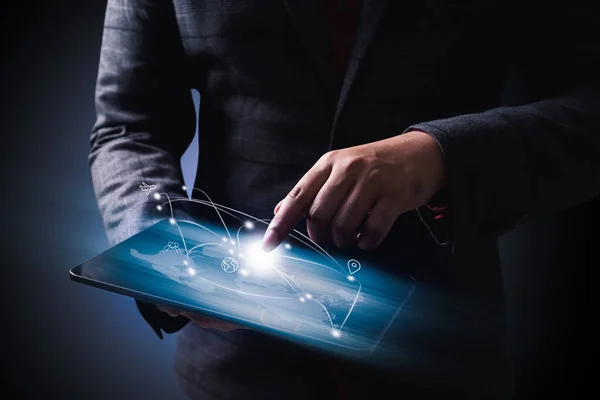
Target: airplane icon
147	188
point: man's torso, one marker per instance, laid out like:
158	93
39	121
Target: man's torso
272	103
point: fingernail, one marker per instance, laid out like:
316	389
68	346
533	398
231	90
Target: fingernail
270	241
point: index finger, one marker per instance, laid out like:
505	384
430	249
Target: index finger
295	205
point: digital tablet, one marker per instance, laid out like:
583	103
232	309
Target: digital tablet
298	292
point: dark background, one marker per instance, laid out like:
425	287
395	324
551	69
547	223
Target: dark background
63	340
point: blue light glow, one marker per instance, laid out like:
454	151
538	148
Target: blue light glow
223	271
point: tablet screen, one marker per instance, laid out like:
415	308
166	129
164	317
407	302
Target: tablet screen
298	291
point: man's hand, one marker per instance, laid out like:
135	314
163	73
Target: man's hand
202	321
369	185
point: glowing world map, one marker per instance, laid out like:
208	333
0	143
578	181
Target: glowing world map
326	292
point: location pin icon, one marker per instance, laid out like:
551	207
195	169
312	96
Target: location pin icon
353	266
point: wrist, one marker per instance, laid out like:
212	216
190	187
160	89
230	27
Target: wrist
433	158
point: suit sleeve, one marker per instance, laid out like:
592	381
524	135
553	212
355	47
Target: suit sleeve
145	121
510	164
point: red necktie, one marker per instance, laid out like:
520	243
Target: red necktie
342	17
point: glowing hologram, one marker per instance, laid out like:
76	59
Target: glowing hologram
327	306
353	266
307	242
147	188
259	261
229	265
172	246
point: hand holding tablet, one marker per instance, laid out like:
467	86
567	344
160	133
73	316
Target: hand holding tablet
201	320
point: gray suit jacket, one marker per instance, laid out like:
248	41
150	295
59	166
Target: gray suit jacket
272	104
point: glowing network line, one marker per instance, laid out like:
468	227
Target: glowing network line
311	244
199	226
250	225
288	278
265	221
216	209
202	245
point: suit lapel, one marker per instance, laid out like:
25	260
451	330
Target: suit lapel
310	22
371	14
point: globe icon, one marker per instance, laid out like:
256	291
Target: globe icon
229	265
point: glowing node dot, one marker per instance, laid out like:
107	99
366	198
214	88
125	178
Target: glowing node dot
157	196
302	299
241	255
336	333
249	225
172	221
192	271
185	262
351	278
230	251
308	296
224	239
232	241
244	272
159	208
287	246
259	259
184	187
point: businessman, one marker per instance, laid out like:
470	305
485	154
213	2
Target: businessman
379	124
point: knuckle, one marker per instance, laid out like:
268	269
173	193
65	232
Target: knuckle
297	196
353	163
374	233
316	216
329	157
375	173
342	229
295	193
367	243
